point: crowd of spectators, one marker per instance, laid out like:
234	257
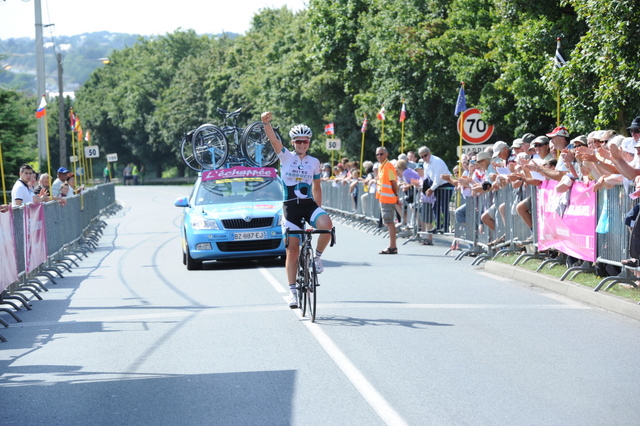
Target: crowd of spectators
33	187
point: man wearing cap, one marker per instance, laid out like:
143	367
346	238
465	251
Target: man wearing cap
63	173
543	151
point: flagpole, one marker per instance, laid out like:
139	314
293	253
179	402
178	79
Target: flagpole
558	65
402	132
382	133
4	188
362	148
461	130
46	140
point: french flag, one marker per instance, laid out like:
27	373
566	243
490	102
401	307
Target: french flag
42	109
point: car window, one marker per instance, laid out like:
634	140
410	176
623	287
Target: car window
236	190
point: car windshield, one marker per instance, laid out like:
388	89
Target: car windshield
239	190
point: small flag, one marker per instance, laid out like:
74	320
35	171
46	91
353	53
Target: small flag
42	109
403	113
78	127
72	120
87	137
328	129
461	104
381	114
363	129
559	59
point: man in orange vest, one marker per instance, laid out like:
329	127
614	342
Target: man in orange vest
387	194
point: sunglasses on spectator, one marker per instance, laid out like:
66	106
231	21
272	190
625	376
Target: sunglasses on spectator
424	155
634	131
379	154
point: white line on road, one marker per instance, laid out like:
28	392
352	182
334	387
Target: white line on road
272	280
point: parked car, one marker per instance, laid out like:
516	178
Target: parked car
232	213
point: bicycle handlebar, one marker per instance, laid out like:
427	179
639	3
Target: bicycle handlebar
331	231
228	114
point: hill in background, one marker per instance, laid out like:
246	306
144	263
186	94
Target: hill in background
81	55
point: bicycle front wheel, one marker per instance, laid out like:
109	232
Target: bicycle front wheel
210	147
312	285
255	146
186	150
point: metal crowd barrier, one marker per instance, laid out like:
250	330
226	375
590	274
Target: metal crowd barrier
71	231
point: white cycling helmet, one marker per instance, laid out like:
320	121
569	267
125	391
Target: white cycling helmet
300	131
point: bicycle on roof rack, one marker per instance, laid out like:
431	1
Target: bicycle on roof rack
211	147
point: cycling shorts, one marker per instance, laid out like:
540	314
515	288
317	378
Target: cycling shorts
297	212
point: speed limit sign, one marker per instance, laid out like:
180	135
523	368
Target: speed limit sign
474	129
333	144
91	151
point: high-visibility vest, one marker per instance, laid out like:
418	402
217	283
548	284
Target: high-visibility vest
384	191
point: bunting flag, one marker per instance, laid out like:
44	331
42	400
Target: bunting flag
87	136
364	125
381	114
559	59
403	113
78	127
328	129
72	120
42	109
461	103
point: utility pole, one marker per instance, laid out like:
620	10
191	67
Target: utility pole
40	76
61	116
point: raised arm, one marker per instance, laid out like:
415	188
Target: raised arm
266	120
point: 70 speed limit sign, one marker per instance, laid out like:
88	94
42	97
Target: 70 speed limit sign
474	129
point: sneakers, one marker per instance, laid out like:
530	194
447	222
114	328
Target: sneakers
293	300
319	265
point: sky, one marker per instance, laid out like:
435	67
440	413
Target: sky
144	17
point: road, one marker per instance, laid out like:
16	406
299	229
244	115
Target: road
131	337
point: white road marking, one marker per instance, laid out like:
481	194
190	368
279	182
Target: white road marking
272	280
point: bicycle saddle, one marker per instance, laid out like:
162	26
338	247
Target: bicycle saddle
229	114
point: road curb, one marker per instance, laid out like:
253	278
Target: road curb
573	290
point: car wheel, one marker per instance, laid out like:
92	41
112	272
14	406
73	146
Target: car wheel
192	264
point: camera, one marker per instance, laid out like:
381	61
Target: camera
486	185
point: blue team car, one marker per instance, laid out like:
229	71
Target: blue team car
232	213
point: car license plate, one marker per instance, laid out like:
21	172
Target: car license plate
249	235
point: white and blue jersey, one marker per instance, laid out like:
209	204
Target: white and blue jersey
298	175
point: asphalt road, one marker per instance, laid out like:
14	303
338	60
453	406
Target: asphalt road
131	337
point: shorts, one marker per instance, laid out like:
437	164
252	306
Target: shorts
388	212
297	212
491	211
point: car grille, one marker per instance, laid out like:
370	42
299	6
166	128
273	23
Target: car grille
251	245
256	222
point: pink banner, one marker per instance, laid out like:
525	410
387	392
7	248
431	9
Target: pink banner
35	241
239	172
567	222
8	263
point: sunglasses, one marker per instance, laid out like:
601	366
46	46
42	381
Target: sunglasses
634	131
379	154
424	155
302	141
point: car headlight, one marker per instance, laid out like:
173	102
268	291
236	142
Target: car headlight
200	222
280	220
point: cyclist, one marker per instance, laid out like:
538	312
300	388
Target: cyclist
300	174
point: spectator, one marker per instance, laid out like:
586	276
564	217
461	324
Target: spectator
43	183
71	181
135	174
106	173
370	182
65	191
435	167
126	173
410	178
326	172
62	177
387	195
412	160
354	188
21	193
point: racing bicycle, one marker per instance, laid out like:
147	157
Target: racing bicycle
307	278
212	147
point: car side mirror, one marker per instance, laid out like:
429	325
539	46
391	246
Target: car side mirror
182	202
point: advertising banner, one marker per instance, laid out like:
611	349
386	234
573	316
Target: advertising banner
35	239
567	221
8	263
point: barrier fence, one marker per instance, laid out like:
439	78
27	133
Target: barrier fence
567	222
41	240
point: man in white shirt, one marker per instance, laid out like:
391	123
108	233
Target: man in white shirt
21	193
434	168
63	173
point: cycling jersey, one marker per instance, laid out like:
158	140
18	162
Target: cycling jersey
298	175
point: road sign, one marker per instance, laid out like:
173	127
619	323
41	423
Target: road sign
333	144
474	130
112	158
91	151
472	149
73	159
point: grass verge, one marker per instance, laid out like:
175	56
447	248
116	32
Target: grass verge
584	278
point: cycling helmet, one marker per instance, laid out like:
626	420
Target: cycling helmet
300	131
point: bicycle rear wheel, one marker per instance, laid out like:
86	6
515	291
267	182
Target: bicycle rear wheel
186	151
312	285
210	147
255	146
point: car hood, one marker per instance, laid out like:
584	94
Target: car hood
252	209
